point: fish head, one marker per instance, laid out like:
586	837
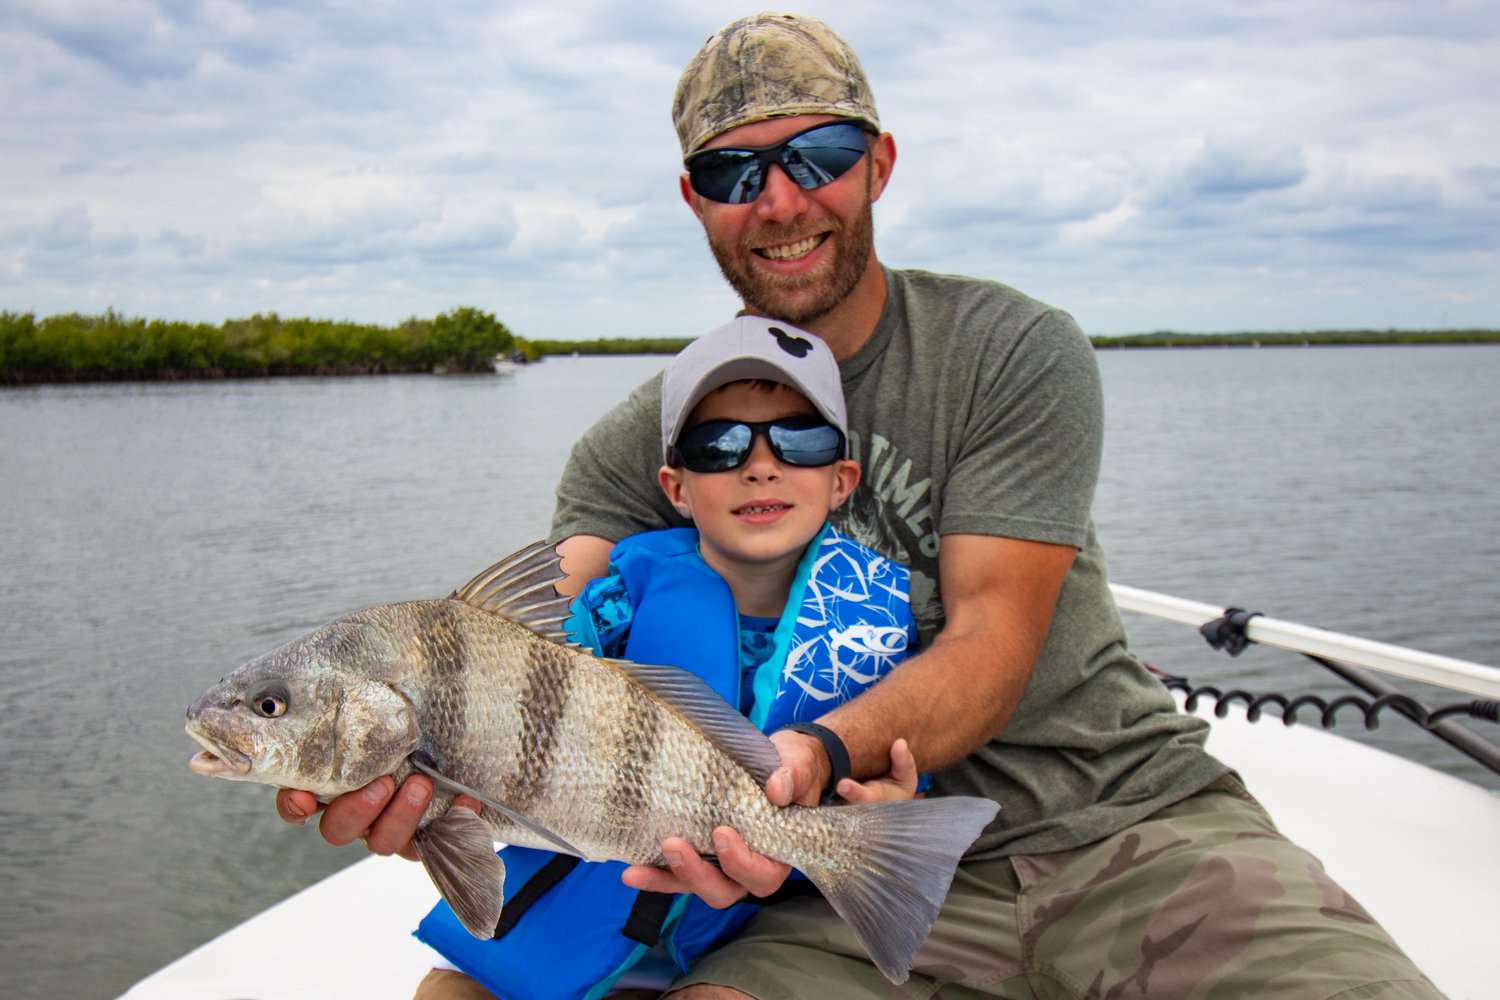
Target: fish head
319	714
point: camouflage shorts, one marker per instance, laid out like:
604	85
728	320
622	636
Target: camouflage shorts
1202	900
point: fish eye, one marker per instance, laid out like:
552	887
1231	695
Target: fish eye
269	704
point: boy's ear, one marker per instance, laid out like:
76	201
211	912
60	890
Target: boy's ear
671	484
845	478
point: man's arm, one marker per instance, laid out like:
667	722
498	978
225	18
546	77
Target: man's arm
998	598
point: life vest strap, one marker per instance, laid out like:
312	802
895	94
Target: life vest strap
545	878
646	917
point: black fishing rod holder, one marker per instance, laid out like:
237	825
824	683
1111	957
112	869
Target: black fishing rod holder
1228	633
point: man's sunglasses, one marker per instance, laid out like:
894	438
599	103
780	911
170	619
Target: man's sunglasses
813	157
721	445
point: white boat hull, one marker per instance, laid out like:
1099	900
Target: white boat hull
1419	849
346	936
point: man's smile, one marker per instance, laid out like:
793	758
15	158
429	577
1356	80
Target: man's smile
791	251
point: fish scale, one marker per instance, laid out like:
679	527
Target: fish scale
600	758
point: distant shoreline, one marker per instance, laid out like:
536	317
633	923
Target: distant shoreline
1321	338
74	349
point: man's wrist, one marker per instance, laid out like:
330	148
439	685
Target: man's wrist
833	749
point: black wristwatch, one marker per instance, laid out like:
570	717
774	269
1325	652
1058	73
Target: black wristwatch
838	754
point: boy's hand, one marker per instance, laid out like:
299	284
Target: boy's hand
900	782
741	871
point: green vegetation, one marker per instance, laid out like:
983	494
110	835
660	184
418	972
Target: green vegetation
76	348
1168	338
639	345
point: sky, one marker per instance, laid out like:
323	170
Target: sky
1220	165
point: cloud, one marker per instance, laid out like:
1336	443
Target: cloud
1154	166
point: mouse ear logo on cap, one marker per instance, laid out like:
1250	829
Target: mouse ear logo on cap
797	347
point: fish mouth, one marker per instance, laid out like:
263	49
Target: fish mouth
216	759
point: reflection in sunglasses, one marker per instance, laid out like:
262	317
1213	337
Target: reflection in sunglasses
721	445
811	158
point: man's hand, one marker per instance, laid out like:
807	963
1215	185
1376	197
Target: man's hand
385	818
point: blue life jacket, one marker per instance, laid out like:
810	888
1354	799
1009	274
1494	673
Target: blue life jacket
571	929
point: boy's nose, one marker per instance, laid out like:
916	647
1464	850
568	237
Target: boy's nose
762	464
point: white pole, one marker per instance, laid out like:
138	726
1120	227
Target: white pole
1429	668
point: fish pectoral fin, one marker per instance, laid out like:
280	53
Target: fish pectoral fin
445	782
459	855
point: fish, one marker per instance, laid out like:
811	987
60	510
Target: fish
599	758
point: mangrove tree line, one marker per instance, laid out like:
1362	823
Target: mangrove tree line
77	348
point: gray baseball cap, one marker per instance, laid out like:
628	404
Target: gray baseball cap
750	347
764	66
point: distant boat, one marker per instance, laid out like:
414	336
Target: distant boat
508	362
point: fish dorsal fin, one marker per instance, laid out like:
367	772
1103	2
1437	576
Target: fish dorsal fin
691	696
522	587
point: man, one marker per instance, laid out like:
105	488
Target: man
1125	860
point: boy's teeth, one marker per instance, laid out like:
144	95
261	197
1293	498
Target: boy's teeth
761	510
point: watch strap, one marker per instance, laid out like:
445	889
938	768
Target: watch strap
838	754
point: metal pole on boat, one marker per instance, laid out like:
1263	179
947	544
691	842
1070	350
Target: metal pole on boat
1428	668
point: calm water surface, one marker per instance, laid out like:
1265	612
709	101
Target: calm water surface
154	536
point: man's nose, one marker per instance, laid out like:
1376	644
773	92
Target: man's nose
781	200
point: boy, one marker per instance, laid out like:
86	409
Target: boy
762	598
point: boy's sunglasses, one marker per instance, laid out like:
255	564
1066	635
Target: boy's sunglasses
813	157
721	445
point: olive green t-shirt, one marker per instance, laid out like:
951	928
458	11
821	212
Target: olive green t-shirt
972	410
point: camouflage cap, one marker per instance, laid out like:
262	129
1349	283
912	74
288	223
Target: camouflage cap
769	66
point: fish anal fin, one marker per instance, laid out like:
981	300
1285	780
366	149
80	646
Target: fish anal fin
459	855
522	588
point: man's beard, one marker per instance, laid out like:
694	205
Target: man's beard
787	299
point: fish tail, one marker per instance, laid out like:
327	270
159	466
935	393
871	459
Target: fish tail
904	856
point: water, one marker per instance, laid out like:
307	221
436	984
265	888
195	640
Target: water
154	536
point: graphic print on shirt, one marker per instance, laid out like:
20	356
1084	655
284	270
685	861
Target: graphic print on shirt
891	511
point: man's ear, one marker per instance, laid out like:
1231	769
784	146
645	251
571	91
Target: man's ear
882	162
671	484
689	195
